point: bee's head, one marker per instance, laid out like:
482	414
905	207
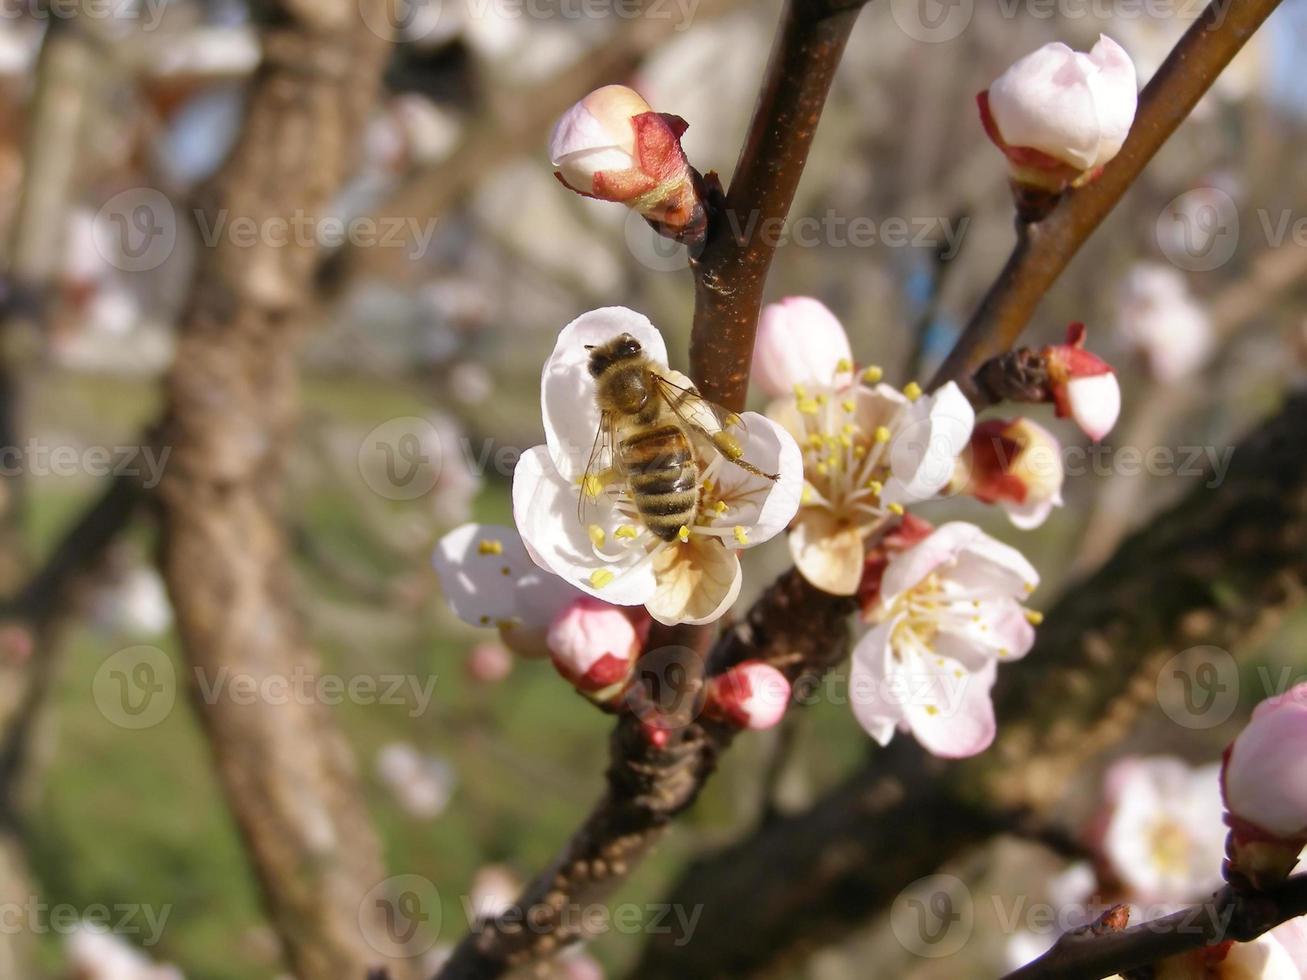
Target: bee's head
620	348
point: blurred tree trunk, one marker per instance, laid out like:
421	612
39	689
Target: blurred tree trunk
289	775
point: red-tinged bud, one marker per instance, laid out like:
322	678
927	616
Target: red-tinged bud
749	695
1264	781
1059	116
612	146
594	645
1015	464
1083	386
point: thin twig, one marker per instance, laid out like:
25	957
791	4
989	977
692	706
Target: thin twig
1228	915
1043	249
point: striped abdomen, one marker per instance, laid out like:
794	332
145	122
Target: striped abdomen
662	476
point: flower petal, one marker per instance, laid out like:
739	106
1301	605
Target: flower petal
762	507
956	717
870	684
480	566
545	509
942	545
799	341
567	392
827	553
1044	102
696	582
926	445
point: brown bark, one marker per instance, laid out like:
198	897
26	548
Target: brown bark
1212	570
288	773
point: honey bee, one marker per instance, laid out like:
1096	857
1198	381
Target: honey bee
648	428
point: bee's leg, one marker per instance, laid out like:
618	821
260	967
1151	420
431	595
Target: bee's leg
730	447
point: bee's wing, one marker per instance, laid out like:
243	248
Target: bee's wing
603	457
721	428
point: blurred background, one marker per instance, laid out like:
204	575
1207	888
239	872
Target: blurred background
420	386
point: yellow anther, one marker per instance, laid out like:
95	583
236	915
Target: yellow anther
708	486
489	546
741	535
683	533
882	434
1030	587
809	406
806	496
896	509
821	399
720	507
505	571
597	535
800	392
601	577
912	391
1033	617
849	428
872	374
816	440
849	405
843	365
626	531
592	486
931	709
822	469
859	451
875	486
846	441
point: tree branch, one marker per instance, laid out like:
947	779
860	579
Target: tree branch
1212	570
1228	915
731	271
1044	248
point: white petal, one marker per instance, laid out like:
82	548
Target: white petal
828	553
1095	403
545	510
480	566
1116	95
997	630
1031	514
958	719
926	445
799	341
943	545
988	563
567	392
696	582
762	507
869	684
579	169
1044	101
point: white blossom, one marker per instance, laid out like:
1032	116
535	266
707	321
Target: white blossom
949	611
600	544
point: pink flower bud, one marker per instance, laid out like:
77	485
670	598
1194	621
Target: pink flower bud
1016	464
594	645
1265	786
749	695
612	146
1059	113
799	342
1083	386
489	663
